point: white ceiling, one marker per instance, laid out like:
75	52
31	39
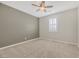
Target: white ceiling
26	6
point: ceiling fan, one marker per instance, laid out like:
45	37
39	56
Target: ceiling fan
42	6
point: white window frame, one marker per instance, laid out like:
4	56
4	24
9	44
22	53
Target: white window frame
53	25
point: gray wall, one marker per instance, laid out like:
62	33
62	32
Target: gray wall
16	25
78	27
67	27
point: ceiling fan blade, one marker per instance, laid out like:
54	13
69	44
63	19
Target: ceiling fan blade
42	3
35	5
48	6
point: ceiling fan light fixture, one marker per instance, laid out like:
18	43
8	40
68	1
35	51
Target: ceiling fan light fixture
42	6
42	9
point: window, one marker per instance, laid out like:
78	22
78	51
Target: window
53	25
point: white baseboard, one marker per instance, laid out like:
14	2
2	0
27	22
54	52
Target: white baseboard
36	39
27	41
59	41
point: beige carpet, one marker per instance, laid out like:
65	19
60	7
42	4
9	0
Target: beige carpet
40	49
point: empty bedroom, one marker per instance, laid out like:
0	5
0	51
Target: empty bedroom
39	29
